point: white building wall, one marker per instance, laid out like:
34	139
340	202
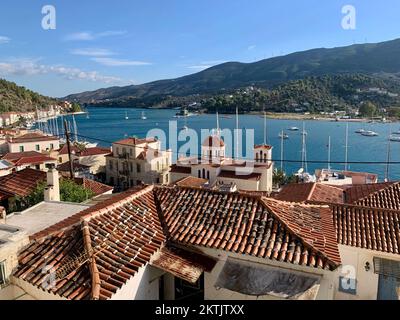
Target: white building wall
367	281
31	146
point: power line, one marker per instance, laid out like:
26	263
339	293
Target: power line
273	160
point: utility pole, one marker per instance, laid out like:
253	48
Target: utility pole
71	166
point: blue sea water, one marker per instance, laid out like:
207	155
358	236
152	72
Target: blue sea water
105	125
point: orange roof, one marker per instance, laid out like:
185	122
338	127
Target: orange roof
310	192
234	175
213	141
191	182
98	188
21	183
263	146
33	137
135	141
128	229
379	195
367	228
29	157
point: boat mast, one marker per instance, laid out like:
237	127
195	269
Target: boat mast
329	153
388	157
282	145
217	124
303	150
237	132
75	128
265	128
347	148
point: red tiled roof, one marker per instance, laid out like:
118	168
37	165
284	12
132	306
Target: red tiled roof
213	141
179	169
127	230
95	186
191	182
376	195
367	228
21	183
84	152
135	141
64	167
310	192
29	157
263	146
33	137
233	175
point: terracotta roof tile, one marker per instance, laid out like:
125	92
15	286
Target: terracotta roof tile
128	229
95	186
310	193
21	183
178	169
367	228
33	137
191	182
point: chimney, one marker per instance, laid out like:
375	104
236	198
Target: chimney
52	191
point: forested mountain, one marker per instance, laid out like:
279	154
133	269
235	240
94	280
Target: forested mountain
16	98
377	61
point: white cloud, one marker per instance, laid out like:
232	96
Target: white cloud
4	40
252	47
92	52
110	62
89	35
30	67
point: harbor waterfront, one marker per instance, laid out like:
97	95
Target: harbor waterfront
105	125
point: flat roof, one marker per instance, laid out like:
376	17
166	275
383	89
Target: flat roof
43	215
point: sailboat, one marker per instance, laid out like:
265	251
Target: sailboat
302	173
283	135
126	116
143	117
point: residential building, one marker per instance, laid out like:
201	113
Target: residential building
6	168
339	177
30	159
135	161
8	118
33	141
79	170
190	241
221	171
94	158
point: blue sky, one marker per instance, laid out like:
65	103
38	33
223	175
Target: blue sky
99	44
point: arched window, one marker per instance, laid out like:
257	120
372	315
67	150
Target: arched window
204	173
265	157
208	175
261	155
199	173
257	156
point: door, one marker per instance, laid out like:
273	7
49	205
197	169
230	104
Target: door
185	291
388	288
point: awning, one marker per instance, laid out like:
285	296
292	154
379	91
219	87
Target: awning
257	280
385	267
183	264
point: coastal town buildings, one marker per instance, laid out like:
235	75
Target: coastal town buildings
221	171
30	159
94	158
190	241
135	161
33	141
340	177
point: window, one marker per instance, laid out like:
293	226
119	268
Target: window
131	167
199	173
138	168
60	160
3	279
111	165
51	146
208	175
37	147
21	148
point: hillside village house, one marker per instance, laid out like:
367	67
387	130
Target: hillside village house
200	243
9	118
94	158
213	165
33	141
134	161
30	159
